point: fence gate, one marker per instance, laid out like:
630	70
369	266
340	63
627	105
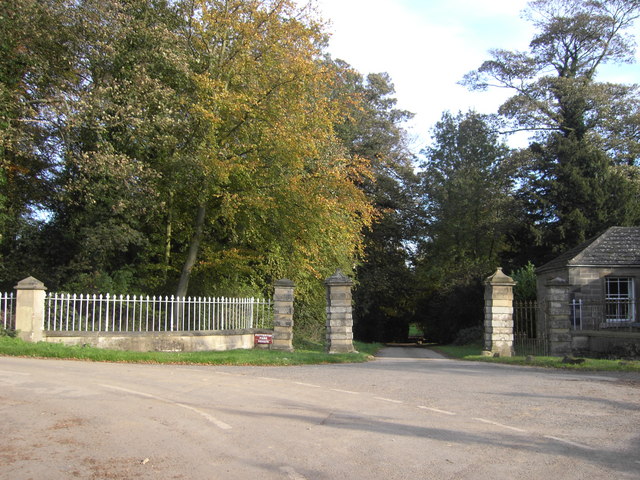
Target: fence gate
526	339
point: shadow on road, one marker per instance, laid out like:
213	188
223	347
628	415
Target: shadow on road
407	351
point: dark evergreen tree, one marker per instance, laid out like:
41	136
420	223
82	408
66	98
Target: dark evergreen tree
468	204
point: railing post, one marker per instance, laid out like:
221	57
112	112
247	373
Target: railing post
339	314
283	315
498	315
30	309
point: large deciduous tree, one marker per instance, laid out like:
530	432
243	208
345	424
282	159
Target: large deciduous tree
175	146
273	190
585	128
36	65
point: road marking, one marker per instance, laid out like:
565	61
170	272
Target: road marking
344	391
307	385
569	442
215	421
388	400
491	422
271	379
292	474
7	372
437	410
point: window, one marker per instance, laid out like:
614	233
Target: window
619	299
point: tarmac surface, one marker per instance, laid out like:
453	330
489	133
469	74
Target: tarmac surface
408	414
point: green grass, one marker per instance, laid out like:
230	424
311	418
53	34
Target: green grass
474	353
415	330
312	355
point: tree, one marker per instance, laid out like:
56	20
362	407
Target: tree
36	46
584	127
373	129
267	148
194	140
467	184
116	136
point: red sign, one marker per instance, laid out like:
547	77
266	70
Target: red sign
263	339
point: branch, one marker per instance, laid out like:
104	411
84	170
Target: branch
528	129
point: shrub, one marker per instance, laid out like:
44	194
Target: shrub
7	332
470	336
525	277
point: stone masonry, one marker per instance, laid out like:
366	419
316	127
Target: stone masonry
283	315
498	320
339	314
30	294
558	316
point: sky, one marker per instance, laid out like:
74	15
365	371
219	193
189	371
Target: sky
427	46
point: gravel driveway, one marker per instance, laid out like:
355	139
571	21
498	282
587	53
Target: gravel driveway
409	414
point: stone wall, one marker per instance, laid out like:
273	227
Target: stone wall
30	310
160	341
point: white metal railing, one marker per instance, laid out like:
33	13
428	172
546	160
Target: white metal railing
7	310
131	313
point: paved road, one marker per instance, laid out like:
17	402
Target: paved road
398	417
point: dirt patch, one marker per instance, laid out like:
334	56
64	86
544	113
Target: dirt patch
68	423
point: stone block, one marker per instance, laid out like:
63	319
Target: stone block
346	348
559	323
283	322
283	308
346	323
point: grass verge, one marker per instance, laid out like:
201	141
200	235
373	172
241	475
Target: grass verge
314	355
474	353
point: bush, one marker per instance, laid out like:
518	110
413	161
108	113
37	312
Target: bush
7	332
525	277
470	336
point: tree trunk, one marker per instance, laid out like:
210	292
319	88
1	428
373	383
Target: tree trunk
168	233
192	255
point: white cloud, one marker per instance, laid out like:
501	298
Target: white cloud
427	46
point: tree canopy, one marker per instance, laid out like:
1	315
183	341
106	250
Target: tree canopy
213	146
585	129
174	147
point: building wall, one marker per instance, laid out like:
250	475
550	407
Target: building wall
588	284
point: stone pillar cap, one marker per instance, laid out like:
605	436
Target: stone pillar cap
30	283
338	278
499	278
284	282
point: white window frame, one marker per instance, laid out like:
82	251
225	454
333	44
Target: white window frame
619	299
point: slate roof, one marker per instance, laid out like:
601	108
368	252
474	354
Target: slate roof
619	246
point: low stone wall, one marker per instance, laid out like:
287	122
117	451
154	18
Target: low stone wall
160	341
592	342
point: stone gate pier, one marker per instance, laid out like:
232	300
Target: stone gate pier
339	314
498	315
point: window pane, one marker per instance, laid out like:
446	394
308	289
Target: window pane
619	299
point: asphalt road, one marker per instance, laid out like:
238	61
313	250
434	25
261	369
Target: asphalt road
406	415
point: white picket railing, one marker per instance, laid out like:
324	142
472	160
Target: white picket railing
7	310
131	313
